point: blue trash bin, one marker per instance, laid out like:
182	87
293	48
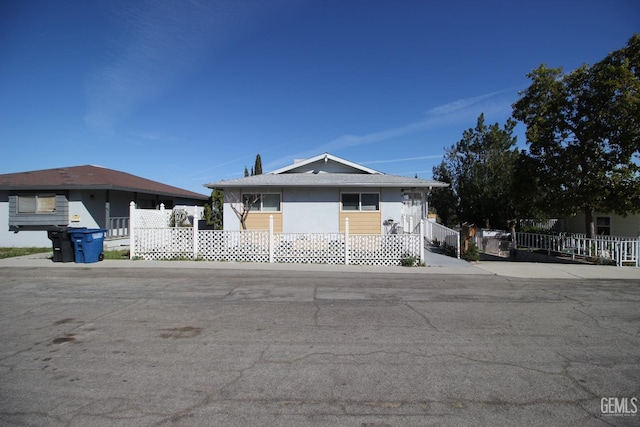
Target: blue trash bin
88	244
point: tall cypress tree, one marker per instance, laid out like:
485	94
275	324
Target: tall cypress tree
257	167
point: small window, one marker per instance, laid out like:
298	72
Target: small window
360	201
271	202
253	200
262	202
603	226
37	203
370	202
350	202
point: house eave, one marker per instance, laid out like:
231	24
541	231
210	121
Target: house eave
17	188
403	185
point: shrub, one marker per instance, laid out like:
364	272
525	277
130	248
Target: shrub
179	218
472	253
408	260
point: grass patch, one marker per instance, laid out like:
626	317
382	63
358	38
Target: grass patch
116	254
13	252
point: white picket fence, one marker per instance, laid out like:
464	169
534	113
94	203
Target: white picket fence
621	250
153	239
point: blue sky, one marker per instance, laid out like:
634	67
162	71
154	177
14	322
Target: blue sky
188	92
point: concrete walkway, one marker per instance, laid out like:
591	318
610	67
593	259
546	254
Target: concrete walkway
436	264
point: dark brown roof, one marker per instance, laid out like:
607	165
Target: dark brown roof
90	177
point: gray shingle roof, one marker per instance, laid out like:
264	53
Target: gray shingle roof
326	180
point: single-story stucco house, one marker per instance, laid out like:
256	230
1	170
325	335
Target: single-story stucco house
81	196
317	194
607	224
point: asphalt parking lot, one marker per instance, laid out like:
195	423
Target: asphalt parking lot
101	345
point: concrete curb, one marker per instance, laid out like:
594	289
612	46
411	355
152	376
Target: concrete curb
529	270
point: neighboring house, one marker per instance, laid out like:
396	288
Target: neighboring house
606	224
81	196
316	195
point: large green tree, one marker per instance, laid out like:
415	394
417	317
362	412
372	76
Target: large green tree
444	200
480	169
583	132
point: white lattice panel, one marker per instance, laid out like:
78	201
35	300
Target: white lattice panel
389	249
151	218
239	246
164	243
154	240
314	248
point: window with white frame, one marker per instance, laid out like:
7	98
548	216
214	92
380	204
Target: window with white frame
36	203
264	202
360	201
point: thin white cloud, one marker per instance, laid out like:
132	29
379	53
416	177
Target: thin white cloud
461	104
463	112
251	157
405	159
153	43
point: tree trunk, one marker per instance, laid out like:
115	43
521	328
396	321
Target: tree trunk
589	225
243	219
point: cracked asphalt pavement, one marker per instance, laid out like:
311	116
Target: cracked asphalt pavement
188	347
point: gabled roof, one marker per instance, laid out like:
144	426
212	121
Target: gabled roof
325	157
90	177
309	173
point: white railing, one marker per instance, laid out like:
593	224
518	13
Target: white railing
438	233
621	250
599	236
153	239
118	227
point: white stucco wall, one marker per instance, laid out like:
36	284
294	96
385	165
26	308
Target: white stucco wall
390	204
311	210
229	219
316	210
79	204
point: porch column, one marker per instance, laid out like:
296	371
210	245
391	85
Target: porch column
107	213
425	203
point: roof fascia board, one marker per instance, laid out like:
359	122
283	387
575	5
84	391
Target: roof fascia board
98	187
337	185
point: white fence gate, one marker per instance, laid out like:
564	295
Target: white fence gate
153	239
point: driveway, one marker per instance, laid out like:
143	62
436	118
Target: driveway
106	345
